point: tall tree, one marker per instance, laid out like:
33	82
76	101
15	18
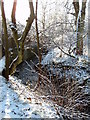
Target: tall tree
19	41
89	35
38	44
4	24
79	22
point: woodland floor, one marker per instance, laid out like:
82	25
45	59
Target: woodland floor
68	86
18	101
64	90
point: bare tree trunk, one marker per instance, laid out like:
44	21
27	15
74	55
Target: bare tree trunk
20	41
6	40
80	25
62	40
37	34
13	27
89	36
38	45
76	7
79	48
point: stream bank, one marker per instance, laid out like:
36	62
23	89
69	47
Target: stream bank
70	78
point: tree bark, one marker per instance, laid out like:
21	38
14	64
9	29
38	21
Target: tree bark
38	46
76	7
89	36
20	41
6	41
13	25
79	25
79	47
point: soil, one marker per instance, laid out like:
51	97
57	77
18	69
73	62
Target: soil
25	73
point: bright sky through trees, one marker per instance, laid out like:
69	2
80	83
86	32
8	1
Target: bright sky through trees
22	12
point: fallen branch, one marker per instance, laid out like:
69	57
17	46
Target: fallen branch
63	50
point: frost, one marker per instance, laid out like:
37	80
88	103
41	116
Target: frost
52	56
14	102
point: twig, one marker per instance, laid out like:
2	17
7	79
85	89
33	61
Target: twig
63	50
45	78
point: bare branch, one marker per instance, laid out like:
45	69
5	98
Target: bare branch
13	25
63	50
14	12
21	40
29	22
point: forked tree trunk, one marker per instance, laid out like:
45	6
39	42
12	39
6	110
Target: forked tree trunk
20	41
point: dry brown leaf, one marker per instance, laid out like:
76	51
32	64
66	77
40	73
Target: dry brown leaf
39	103
29	99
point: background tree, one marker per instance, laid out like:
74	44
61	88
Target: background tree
38	43
89	34
79	22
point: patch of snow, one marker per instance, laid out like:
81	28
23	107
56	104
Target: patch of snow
52	56
17	101
83	58
78	65
2	64
70	61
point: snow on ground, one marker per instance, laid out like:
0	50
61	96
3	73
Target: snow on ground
79	65
17	101
52	56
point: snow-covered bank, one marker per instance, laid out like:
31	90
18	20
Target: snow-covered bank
17	101
53	56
